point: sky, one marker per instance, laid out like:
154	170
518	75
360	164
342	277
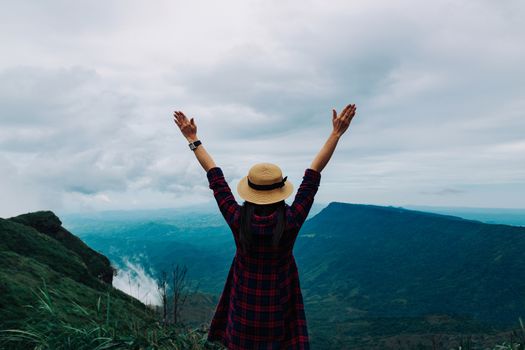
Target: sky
88	90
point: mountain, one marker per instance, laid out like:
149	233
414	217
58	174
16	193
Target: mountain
47	223
156	239
370	275
508	216
35	249
56	292
365	265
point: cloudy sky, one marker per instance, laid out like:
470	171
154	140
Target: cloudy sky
87	91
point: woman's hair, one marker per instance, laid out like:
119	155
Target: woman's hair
247	211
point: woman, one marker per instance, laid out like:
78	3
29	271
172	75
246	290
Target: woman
261	306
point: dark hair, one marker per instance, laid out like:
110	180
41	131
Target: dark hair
247	211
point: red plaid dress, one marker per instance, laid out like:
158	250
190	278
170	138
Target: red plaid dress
261	306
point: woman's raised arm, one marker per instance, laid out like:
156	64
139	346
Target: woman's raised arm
340	124
189	130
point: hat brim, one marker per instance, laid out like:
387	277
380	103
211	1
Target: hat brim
263	196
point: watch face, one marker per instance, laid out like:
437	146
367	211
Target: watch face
192	146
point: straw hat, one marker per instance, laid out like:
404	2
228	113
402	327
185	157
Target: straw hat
264	184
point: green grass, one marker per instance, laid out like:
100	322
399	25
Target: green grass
52	296
19	275
57	321
51	325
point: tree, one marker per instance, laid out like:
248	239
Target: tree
179	298
162	286
178	294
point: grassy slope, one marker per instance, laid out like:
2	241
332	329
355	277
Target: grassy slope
28	257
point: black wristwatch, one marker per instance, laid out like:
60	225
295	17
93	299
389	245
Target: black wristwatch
194	144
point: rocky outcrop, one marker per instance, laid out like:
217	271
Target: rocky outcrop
46	222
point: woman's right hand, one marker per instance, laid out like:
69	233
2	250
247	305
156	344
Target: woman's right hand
342	121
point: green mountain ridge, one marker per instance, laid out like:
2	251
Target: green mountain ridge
395	262
35	249
371	275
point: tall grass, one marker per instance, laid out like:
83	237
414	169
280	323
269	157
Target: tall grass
48	328
516	342
97	328
517	339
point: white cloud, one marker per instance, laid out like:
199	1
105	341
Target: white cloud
87	90
134	280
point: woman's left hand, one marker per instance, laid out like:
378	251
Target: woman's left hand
187	127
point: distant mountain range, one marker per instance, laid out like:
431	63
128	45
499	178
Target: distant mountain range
366	262
369	274
390	261
515	217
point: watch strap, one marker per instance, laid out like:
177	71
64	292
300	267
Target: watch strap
194	144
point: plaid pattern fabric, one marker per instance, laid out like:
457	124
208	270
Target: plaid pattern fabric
261	306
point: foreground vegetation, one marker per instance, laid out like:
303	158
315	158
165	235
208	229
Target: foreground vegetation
50	327
56	293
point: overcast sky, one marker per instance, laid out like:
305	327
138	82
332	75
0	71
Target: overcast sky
87	91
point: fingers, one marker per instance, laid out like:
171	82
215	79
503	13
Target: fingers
345	110
176	119
334	114
180	116
349	113
183	116
180	119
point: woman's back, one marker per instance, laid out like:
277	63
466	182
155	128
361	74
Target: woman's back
261	303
